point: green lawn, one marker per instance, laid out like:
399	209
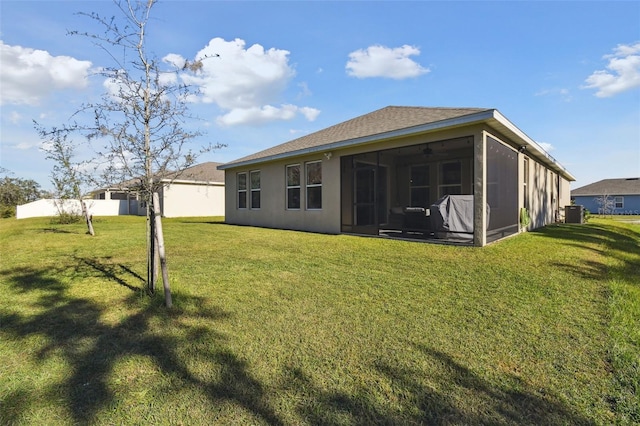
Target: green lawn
291	328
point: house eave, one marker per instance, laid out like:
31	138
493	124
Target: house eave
506	127
609	193
191	182
492	117
348	143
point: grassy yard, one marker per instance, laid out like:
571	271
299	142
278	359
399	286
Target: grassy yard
290	328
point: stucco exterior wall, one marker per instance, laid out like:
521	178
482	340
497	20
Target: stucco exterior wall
565	194
188	199
548	194
273	212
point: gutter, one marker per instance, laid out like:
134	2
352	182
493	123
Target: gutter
488	116
537	152
191	182
407	131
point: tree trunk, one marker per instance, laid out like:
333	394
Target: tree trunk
156	251
163	259
151	252
87	218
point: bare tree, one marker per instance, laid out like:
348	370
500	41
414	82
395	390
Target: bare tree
66	174
138	127
606	204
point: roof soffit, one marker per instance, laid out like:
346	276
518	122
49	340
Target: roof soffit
471	116
468	116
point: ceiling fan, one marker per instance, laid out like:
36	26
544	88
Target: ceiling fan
428	151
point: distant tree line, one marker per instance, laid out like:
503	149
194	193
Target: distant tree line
15	191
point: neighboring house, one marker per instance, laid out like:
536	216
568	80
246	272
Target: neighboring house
381	173
610	196
197	191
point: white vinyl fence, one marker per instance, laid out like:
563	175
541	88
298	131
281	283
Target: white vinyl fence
49	207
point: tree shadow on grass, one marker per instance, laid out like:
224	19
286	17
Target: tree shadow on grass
72	330
621	244
456	395
59	231
104	268
319	405
515	403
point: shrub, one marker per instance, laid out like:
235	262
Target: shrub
65	218
525	220
7	211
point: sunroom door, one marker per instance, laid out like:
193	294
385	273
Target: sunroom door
364	199
369	197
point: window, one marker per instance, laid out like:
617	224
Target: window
619	202
255	189
293	186
242	190
314	185
450	178
118	196
420	186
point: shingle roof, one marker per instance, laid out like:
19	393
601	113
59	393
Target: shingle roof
377	122
205	172
623	186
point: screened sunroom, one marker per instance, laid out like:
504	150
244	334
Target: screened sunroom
402	192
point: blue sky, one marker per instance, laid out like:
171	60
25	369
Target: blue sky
566	73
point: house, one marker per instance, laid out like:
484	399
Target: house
196	191
386	173
610	196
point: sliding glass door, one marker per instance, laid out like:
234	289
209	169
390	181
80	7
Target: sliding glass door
364	194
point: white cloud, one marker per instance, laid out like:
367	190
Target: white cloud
565	94
546	146
310	113
45	146
28	75
298	131
265	114
175	60
15	117
622	73
304	90
381	61
118	86
244	81
112	86
23	146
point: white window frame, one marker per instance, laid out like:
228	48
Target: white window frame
242	191
618	202
312	185
252	190
288	187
